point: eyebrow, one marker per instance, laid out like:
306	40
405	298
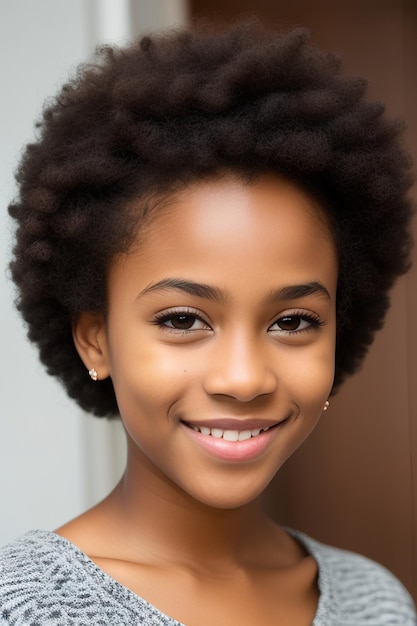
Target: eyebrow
187	286
292	292
201	290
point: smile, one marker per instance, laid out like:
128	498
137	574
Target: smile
229	435
233	440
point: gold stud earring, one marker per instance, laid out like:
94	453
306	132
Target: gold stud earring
93	374
326	405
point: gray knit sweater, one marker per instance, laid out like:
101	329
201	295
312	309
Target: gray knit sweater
46	580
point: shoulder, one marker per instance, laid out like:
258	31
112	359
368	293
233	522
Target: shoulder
45	579
34	574
357	590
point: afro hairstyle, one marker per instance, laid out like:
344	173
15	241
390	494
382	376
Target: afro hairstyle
189	104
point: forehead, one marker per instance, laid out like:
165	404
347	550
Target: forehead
268	197
232	204
227	228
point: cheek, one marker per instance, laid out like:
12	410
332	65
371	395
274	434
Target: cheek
149	382
310	377
309	389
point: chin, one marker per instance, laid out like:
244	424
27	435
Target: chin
229	498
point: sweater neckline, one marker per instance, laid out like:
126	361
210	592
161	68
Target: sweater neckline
121	594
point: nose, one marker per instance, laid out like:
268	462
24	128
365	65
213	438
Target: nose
240	368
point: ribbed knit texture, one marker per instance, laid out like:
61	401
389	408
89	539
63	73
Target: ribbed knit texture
46	580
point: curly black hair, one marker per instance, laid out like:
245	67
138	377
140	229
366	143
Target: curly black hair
185	105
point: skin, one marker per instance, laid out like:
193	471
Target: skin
222	315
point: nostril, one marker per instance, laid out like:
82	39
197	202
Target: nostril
244	388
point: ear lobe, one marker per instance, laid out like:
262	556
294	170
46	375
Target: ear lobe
90	339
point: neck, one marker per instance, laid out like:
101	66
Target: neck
157	517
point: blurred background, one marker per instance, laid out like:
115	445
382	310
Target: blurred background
354	483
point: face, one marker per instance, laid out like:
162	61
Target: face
220	337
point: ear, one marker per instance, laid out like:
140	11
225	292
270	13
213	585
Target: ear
90	339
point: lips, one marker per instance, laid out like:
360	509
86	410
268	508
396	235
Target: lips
230	434
233	440
231	429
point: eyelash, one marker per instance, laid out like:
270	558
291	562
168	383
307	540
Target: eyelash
161	320
313	323
166	316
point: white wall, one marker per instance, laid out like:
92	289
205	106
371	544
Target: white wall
54	461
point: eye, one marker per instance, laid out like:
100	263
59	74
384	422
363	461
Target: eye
183	321
295	323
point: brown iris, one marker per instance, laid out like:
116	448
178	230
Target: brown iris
183	322
291	322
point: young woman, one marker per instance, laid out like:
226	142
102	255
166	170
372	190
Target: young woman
208	227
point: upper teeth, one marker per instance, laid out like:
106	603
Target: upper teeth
229	435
